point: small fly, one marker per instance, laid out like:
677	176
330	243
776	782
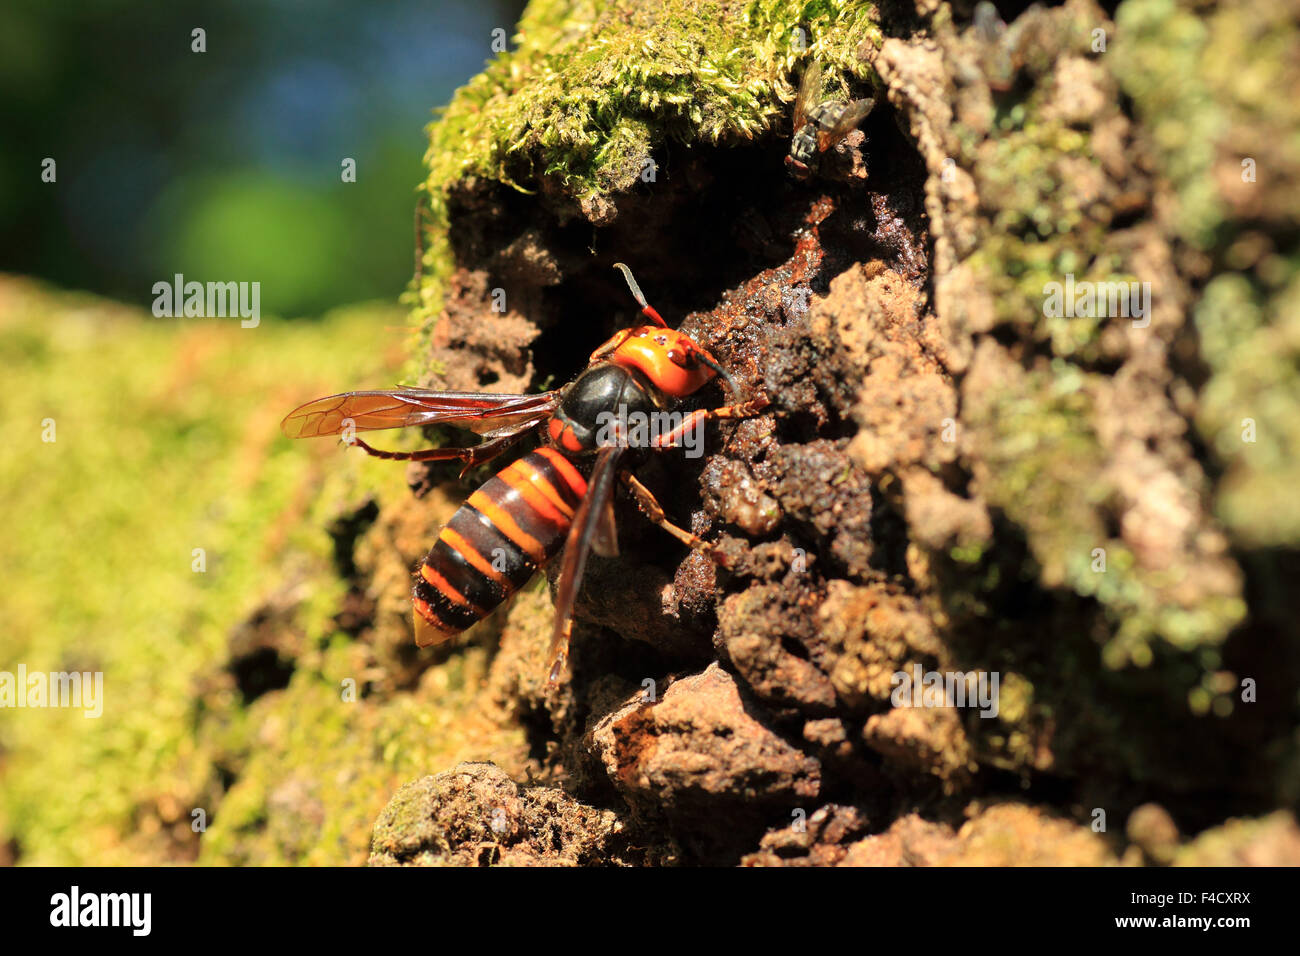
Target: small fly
819	127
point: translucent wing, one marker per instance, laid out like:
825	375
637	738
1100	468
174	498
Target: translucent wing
853	114
810	86
605	540
589	523
479	412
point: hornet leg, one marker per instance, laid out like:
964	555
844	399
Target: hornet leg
651	508
696	418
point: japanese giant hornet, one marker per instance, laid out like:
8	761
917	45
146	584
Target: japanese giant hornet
819	127
561	494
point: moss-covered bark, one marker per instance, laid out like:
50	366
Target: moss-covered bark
956	476
952	477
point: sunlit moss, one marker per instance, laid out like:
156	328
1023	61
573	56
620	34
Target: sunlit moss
167	440
321	768
1047	472
592	88
1207	84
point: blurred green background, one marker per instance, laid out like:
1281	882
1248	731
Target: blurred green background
225	165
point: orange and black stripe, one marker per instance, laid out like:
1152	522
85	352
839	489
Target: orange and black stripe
496	541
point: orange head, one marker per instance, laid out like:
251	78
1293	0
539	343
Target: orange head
668	358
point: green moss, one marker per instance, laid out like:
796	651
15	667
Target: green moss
1047	473
320	768
167	440
1037	180
1041	228
1250	411
1206	83
1046	213
1159	59
592	88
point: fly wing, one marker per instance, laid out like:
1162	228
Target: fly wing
582	534
853	114
478	412
809	87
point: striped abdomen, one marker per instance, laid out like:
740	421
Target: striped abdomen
495	542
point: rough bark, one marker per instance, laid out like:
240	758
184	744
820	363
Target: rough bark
952	477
